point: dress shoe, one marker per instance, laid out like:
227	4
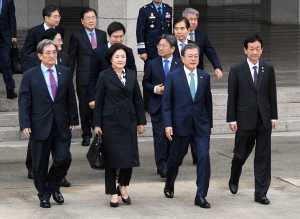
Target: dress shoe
30	175
201	201
114	204
163	173
57	196
169	193
127	200
233	187
263	200
11	94
45	204
85	142
65	182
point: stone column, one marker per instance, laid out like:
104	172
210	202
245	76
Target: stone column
126	12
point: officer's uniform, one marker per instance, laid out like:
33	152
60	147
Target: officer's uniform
150	26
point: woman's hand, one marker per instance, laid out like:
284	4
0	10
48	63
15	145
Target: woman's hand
98	130
141	129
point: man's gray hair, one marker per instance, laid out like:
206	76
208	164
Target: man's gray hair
189	46
43	43
170	38
190	11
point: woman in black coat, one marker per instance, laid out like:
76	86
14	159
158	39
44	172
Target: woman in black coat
119	115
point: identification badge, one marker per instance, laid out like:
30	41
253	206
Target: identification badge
152	15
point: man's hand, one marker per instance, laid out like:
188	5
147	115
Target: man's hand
233	127
97	130
274	125
143	56
169	133
27	132
13	40
72	127
92	104
141	129
160	89
219	73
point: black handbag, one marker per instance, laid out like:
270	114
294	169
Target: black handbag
15	55
95	154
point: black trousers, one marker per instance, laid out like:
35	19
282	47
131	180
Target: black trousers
110	179
46	181
6	64
244	143
85	112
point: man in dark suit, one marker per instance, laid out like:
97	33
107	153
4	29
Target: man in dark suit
252	114
51	15
47	115
156	71
8	34
187	116
201	39
80	50
116	32
32	61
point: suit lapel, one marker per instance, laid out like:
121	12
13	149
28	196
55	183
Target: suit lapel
248	75
60	80
41	79
112	76
160	68
130	80
104	50
261	73
99	41
176	52
86	39
59	59
184	81
200	81
174	64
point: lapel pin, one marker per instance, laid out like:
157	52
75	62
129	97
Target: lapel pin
200	76
176	63
60	59
59	73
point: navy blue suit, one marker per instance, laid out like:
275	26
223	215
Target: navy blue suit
50	123
154	75
150	26
99	64
7	32
33	37
190	120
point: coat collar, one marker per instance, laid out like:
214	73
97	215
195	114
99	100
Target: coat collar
86	39
248	75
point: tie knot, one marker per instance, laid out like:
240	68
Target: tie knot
50	70
255	67
182	44
191	74
92	34
166	61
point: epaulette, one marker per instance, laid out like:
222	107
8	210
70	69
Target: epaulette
166	5
146	6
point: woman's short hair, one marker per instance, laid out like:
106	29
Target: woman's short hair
112	50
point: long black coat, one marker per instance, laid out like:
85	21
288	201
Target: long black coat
118	111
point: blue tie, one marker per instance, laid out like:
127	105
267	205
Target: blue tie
160	12
166	67
182	45
0	6
192	85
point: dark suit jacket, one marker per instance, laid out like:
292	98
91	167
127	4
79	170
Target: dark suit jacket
244	98
98	64
33	60
8	26
118	111
80	52
33	37
154	75
178	107
37	109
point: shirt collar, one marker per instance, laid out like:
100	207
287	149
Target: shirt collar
45	69
188	71
156	6
169	59
186	41
88	32
251	65
108	44
46	27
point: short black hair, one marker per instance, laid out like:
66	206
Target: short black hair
171	39
87	10
115	26
180	19
112	50
50	34
49	9
252	39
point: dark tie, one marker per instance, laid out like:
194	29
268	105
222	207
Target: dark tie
166	67
255	76
160	12
192	85
52	83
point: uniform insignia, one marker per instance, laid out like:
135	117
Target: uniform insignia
152	25
168	15
176	63
152	15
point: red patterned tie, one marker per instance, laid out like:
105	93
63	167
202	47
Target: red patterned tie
93	40
52	83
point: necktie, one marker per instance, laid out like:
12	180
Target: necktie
0	6
160	12
182	45
192	85
255	76
166	67
191	36
52	83
93	40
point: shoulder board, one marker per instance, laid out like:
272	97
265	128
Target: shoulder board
166	5
147	6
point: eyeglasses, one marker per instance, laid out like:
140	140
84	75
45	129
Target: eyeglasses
180	28
163	46
89	18
56	17
51	53
192	56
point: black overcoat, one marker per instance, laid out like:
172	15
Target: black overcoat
118	111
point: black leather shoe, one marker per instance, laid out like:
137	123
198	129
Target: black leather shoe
11	94
127	200
57	196
45	204
169	193
163	173
201	201
65	182
233	187
263	200
30	175
114	204
85	142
